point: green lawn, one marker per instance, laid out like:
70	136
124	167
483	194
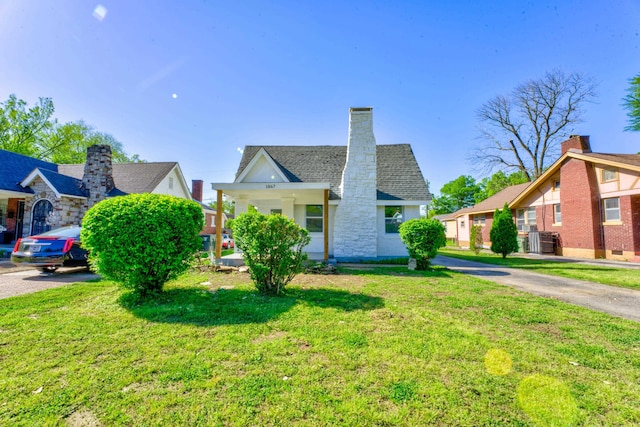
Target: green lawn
622	277
376	347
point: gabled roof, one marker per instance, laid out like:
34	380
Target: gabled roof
129	177
623	161
62	185
496	201
399	176
15	167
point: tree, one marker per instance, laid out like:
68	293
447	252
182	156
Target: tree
272	248
460	193
499	181
475	240
33	132
503	233
228	206
632	104
68	143
22	128
523	131
422	237
142	240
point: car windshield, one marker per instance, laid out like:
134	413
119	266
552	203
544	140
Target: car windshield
63	232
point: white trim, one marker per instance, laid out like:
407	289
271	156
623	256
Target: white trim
269	186
261	153
36	173
402	202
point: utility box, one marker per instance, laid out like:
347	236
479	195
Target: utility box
207	241
523	244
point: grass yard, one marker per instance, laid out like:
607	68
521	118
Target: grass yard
376	347
622	277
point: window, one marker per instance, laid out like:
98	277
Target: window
479	219
557	214
170	183
525	218
276	211
392	218
556	185
611	209
314	218
3	212
609	175
462	223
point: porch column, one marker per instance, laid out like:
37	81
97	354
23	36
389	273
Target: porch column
219	226
325	224
287	207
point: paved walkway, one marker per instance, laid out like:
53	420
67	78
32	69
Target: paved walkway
617	301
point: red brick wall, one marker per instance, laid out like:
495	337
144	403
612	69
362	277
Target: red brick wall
621	237
580	206
635	220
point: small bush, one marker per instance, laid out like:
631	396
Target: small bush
504	233
423	238
475	240
272	249
142	240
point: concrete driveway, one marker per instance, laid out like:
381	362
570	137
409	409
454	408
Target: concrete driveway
617	301
23	281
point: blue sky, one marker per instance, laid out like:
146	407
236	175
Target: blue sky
195	81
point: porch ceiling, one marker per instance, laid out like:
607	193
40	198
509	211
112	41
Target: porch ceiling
273	190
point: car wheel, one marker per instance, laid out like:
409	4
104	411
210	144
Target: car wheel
47	269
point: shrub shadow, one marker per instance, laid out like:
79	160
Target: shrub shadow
232	307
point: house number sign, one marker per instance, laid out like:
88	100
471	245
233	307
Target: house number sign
270	186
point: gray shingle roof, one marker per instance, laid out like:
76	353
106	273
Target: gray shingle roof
399	176
129	177
627	159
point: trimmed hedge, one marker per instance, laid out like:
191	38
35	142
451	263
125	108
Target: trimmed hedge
142	240
423	237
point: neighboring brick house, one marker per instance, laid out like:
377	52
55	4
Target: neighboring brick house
591	201
350	198
36	196
482	214
208	211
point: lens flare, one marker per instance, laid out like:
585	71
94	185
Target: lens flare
497	362
547	401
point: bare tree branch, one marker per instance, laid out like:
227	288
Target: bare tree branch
523	131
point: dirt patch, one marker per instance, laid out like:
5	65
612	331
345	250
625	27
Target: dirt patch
83	419
273	335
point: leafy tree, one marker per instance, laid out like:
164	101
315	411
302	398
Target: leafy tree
22	128
68	143
272	248
423	237
475	240
523	131
503	233
228	206
632	104
33	132
460	193
142	240
499	181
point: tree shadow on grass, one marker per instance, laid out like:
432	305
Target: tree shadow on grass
231	307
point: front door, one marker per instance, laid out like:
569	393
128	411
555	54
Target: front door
41	211
20	220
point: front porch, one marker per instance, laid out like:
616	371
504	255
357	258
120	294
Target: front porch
236	259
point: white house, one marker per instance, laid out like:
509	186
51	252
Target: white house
350	198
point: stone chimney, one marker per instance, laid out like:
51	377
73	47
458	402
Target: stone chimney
98	173
355	227
576	144
196	189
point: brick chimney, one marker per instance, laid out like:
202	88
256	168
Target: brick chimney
576	144
98	173
196	189
355	235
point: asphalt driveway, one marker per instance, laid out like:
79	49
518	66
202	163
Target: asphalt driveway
617	301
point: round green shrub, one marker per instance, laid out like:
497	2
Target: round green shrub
142	240
272	249
423	237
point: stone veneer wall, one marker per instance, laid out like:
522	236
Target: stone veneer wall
66	210
354	232
98	173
